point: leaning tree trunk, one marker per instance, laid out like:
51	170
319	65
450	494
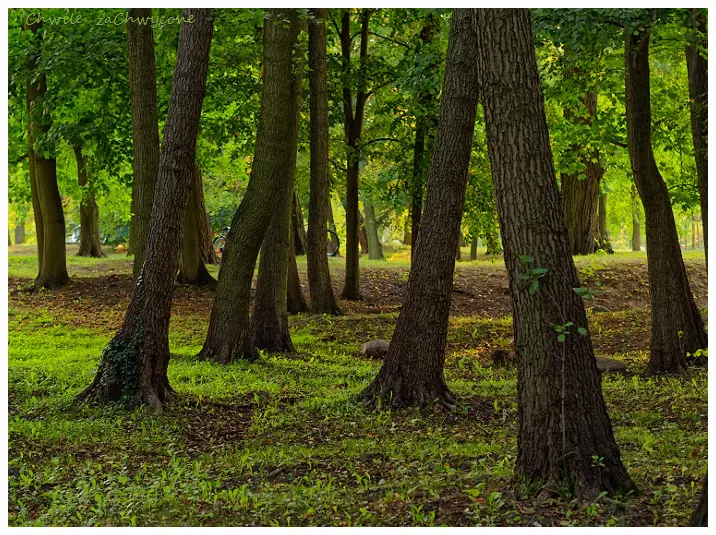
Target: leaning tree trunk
698	96
228	335
412	373
298	227
46	200
563	420
90	244
145	129
353	128
323	301
375	249
192	270
676	324
133	366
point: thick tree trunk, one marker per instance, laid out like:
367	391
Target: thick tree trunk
228	335
90	244
20	233
298	227
192	270
320	213
700	518
353	119
412	373
46	200
145	129
698	95
635	220
133	366
563	420
603	241
375	249
676	324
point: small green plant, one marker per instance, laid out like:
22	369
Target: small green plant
531	275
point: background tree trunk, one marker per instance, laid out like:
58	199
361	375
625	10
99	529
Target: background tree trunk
698	95
332	225
46	201
676	324
473	249
228	335
145	129
375	249
192	270
133	366
295	301
20	233
412	373
563	420
298	227
320	213
90	244
635	224
603	242
207	253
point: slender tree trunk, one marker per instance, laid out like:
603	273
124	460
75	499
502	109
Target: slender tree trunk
563	420
46	201
353	128
635	224
90	244
362	235
295	301
145	129
407	232
20	233
698	96
298	227
320	213
207	253
676	324
375	249
700	517
228	335
192	270
412	373
603	243
332	226
133	366
473	249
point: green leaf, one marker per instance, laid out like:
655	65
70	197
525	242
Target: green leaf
561	337
582	331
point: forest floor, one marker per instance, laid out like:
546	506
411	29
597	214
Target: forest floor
282	441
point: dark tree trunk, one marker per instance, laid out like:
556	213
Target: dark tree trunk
412	373
635	220
353	127
228	335
295	301
335	243
375	249
563	420
473	249
133	366
207	253
700	518
676	324
603	241
90	244
20	233
698	95
320	214
192	270
298	227
362	235
43	174
458	251
145	129
580	196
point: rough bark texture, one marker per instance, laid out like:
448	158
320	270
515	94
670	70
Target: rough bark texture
375	249
323	301
676	324
90	244
191	260
46	199
700	518
563	420
298	227
145	129
412	373
228	336
635	220
698	94
353	121
580	194
133	366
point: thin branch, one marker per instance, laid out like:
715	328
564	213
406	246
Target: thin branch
379	139
409	47
17	160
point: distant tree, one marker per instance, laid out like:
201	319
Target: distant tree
323	300
145	128
563	420
698	96
412	373
46	201
133	366
90	244
228	336
676	324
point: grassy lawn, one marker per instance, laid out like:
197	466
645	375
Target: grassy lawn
282	441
